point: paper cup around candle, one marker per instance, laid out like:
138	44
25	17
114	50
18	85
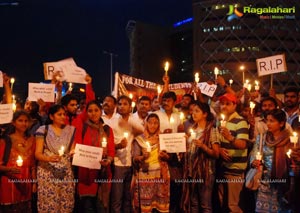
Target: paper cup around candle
61	151
148	146
104	143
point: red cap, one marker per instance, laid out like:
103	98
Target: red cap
229	97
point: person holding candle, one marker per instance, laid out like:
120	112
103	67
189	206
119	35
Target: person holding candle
17	163
151	181
233	155
54	173
120	192
199	161
95	133
273	196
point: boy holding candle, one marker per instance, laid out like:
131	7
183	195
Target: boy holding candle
120	193
233	153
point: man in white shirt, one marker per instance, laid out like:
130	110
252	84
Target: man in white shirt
109	109
125	128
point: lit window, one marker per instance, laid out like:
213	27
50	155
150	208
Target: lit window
236	49
221	28
216	29
183	61
182	39
182	69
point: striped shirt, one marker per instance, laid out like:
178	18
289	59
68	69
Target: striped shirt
238	127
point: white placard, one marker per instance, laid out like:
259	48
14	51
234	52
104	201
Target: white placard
207	89
173	142
68	71
41	91
270	65
75	75
87	156
1	79
6	113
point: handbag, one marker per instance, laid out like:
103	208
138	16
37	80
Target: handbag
254	175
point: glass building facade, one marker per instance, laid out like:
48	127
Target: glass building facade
229	35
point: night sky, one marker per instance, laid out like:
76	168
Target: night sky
36	31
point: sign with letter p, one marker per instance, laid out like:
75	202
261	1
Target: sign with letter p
271	65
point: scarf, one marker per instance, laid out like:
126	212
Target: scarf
280	144
200	167
85	175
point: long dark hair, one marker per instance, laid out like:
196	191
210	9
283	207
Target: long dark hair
206	109
279	115
52	110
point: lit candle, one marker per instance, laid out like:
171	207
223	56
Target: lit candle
252	106
230	82
12	81
197	79
132	105
289	153
104	142
193	134
256	86
249	87
126	135
20	161
181	116
130	95
148	146
70	87
172	120
61	151
294	139
216	71
223	122
166	68
159	89
14	107
246	84
258	156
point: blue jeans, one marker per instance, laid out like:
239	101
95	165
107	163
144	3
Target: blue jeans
120	191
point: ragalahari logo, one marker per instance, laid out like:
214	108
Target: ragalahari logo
233	13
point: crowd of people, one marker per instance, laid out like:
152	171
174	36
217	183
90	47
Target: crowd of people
224	136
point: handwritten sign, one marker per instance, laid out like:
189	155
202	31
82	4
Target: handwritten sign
6	113
87	156
68	71
173	142
75	75
41	91
207	89
270	65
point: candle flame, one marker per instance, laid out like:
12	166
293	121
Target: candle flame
295	134
126	135
172	120
181	116
133	104
289	153
197	79
147	144
12	80
130	95
216	71
230	81
159	89
20	158
223	117
166	68
256	83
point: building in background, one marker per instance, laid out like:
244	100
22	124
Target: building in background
151	46
220	34
227	37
